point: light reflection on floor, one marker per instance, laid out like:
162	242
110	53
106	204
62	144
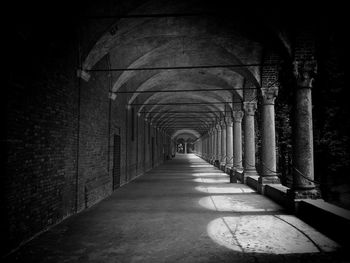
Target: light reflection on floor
234	203
223	190
266	234
211	180
209	174
258	233
201	166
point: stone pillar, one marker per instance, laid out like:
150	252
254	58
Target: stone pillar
303	156
223	142
203	147
213	145
185	148
209	146
268	138
206	147
237	138
218	141
229	142
249	138
198	147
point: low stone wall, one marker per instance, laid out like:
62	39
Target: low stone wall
278	193
330	219
252	181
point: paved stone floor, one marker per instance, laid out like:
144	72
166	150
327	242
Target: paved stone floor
182	211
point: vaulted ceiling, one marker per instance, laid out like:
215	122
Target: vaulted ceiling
183	64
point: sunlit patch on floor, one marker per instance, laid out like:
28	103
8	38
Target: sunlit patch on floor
234	189
211	180
267	234
188	156
201	165
210	174
228	203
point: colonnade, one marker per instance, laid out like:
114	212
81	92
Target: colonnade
222	144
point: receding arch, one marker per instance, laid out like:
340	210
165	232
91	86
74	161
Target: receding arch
207	78
207	53
185	131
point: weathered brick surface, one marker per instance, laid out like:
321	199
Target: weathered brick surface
41	141
59	155
95	183
270	71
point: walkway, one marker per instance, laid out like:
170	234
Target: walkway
182	211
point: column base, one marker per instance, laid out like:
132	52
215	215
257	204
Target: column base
269	180
217	163
228	167
250	172
263	180
233	175
295	194
222	166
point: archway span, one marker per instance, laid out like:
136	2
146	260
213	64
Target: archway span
172	30
185	131
158	99
173	54
205	78
188	110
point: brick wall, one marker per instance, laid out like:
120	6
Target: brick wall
270	72
41	139
94	179
60	145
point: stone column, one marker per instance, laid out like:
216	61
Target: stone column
303	156
218	141
206	147
223	143
185	148
209	147
249	138
214	145
203	147
237	138
268	137
198	147
229	142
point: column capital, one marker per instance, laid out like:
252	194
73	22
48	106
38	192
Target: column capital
237	115
269	95
229	121
249	107
223	124
305	72
218	126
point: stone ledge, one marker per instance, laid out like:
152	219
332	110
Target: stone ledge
277	193
327	218
239	174
228	169
330	208
222	166
252	181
